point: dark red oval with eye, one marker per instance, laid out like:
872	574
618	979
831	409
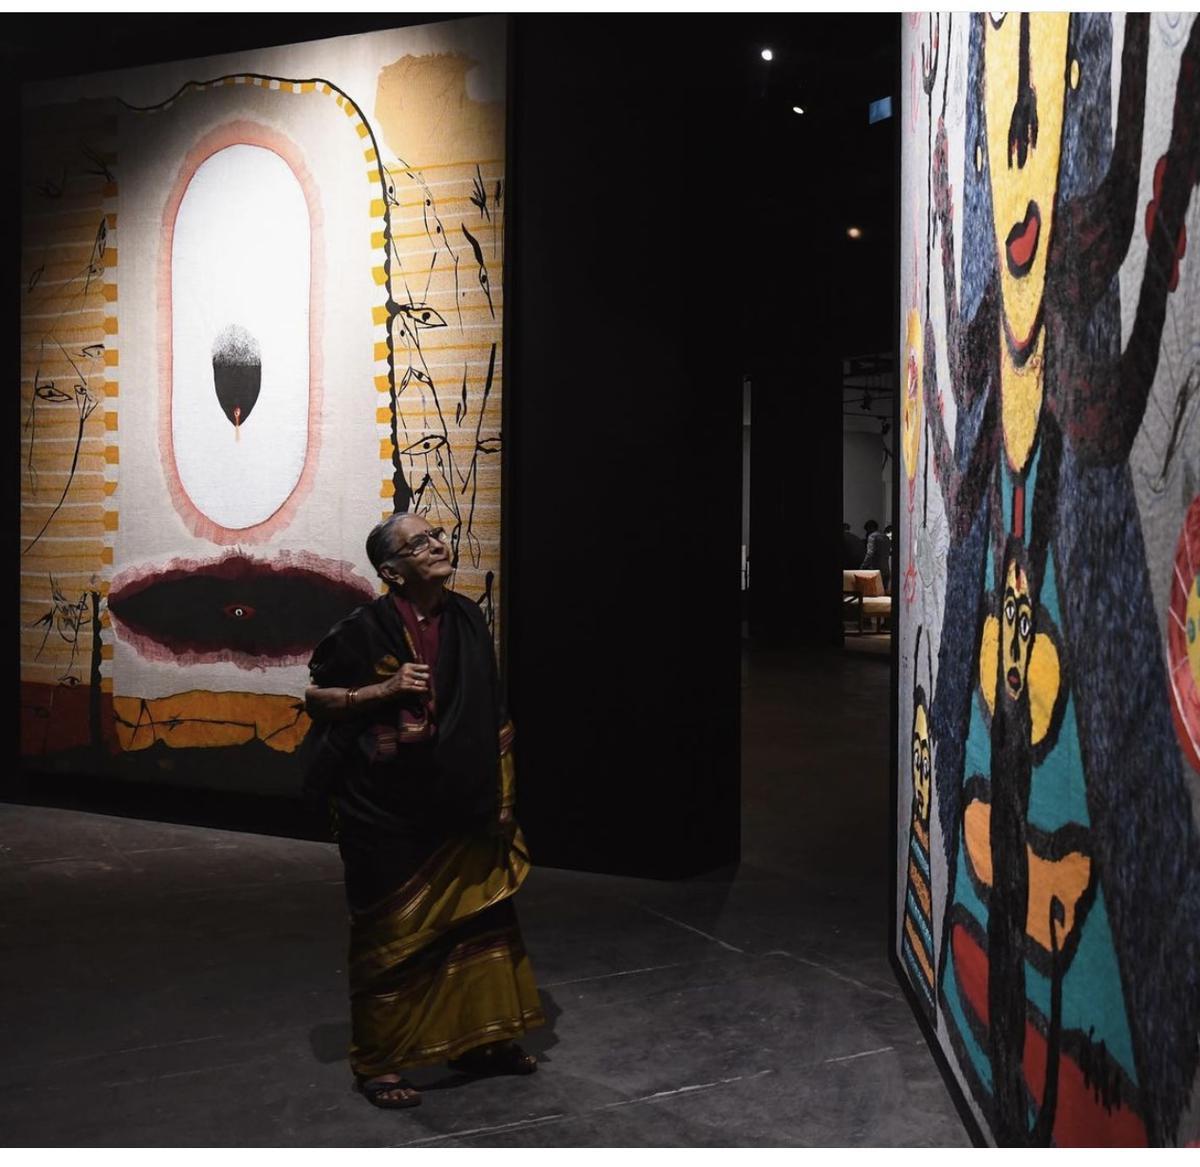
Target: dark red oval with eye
248	611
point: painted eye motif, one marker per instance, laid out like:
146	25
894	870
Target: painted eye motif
1010	611
423	316
235	609
425	445
917	767
1024	626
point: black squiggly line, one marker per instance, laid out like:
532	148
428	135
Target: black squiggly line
496	233
487	389
929	74
1188	392
102	170
71	305
299	708
486	601
484	282
99	246
460	410
450	476
457	293
70	479
171	723
479	195
946	70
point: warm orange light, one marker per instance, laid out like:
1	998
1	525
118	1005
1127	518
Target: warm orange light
854	232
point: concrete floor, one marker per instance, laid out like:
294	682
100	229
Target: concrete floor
171	985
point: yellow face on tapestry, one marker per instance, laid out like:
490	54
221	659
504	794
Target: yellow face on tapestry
1027	657
1024	86
910	418
1016	630
922	764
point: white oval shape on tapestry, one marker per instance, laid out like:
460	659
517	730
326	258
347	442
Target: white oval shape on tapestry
240	274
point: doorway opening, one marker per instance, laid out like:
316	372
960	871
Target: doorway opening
868	446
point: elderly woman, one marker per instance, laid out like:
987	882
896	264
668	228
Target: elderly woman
412	752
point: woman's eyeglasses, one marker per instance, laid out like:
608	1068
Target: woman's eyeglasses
421	542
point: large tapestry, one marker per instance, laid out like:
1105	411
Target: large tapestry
1048	852
260	309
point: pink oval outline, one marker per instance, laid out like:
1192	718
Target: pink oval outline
241	133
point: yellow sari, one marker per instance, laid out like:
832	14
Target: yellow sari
438	966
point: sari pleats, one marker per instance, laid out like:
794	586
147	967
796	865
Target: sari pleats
438	966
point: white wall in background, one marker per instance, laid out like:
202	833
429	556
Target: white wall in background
863	495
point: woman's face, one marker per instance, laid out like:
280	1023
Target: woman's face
429	563
1024	85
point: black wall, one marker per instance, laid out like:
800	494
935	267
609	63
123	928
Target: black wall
624	432
796	498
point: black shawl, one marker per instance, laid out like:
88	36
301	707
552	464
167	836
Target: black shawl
461	765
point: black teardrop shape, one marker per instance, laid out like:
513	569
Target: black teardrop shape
237	372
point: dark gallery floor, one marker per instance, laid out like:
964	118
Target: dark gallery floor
175	985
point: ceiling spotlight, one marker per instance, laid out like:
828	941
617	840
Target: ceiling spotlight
854	232
796	109
767	55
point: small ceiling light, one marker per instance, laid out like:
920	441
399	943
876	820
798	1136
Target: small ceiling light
854	232
796	109
767	55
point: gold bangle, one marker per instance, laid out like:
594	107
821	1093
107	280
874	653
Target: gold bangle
350	698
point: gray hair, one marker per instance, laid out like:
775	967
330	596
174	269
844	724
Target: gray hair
381	544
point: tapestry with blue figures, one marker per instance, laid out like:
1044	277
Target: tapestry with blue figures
1048	849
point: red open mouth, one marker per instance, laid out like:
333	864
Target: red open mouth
1014	682
251	612
1022	243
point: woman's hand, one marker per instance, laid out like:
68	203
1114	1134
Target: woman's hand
408	680
332	704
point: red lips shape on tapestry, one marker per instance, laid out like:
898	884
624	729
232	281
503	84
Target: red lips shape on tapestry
1160	170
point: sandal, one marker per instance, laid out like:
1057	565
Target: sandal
375	1089
500	1057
